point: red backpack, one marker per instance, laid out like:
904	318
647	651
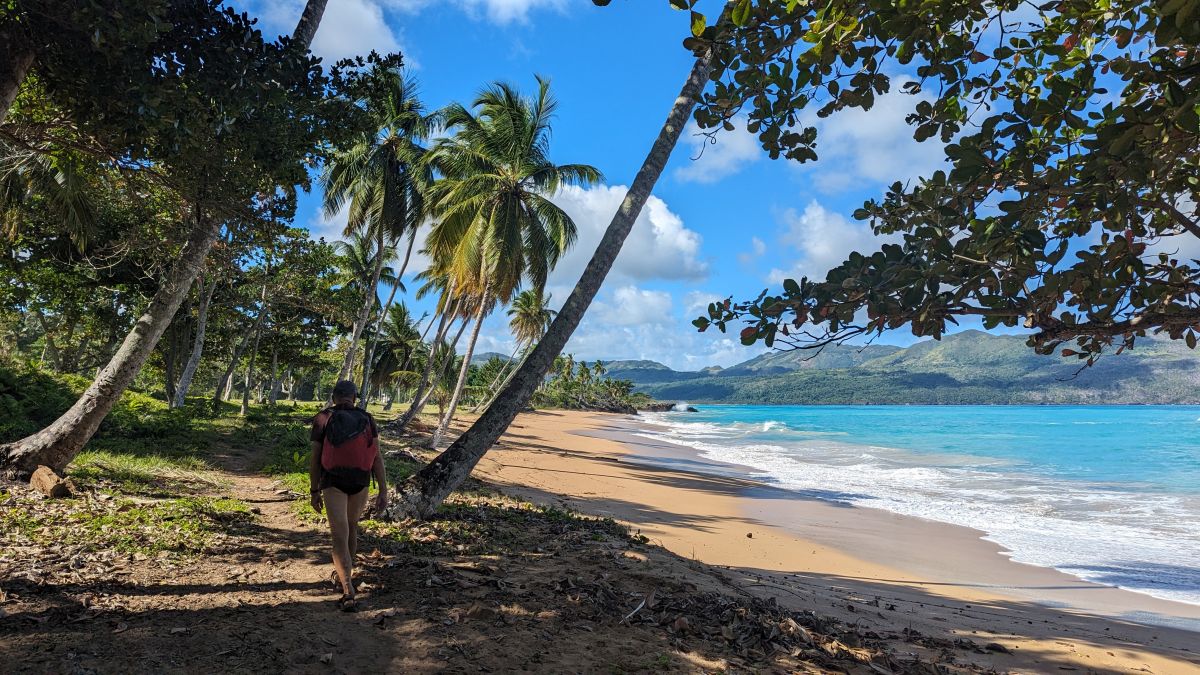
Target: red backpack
349	440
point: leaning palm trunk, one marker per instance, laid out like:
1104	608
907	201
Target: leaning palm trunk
421	494
193	362
463	371
423	384
439	372
374	341
504	373
495	391
309	21
56	445
370	297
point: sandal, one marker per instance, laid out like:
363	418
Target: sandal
348	603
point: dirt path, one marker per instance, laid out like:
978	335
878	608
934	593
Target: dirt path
261	601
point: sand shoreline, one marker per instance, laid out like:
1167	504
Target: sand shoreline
855	563
873	534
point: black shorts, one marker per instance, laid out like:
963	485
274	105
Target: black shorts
350	481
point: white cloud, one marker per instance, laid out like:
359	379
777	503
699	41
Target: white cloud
636	323
352	28
633	306
659	247
696	303
758	248
497	11
632	322
331	228
1184	246
865	149
348	27
713	159
822	239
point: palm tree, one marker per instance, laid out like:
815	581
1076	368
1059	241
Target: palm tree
382	179
56	180
530	317
358	256
497	225
423	492
399	342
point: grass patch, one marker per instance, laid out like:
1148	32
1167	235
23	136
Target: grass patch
150	475
186	525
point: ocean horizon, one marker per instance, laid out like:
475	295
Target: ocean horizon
1107	493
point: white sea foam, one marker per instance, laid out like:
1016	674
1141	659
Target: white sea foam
1142	541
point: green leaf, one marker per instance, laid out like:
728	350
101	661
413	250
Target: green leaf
741	13
699	23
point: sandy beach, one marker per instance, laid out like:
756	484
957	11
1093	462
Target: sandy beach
886	571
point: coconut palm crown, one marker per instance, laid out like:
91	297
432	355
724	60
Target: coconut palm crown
496	224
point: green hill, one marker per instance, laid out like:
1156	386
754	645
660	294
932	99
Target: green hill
971	367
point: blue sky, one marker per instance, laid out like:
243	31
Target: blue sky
732	222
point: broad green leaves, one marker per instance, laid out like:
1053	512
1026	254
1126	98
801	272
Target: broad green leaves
1072	133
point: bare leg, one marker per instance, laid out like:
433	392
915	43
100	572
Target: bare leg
336	510
355	505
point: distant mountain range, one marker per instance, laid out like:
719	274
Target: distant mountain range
971	367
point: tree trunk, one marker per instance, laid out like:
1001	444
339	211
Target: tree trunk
370	297
420	495
193	362
309	21
56	445
169	359
495	391
366	370
441	367
253	355
463	371
16	58
492	389
276	383
225	383
443	327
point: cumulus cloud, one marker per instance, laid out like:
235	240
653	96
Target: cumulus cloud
633	306
696	303
348	27
353	27
713	159
863	149
496	11
636	323
632	322
659	247
822	239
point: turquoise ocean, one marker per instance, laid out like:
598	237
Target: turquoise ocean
1110	494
